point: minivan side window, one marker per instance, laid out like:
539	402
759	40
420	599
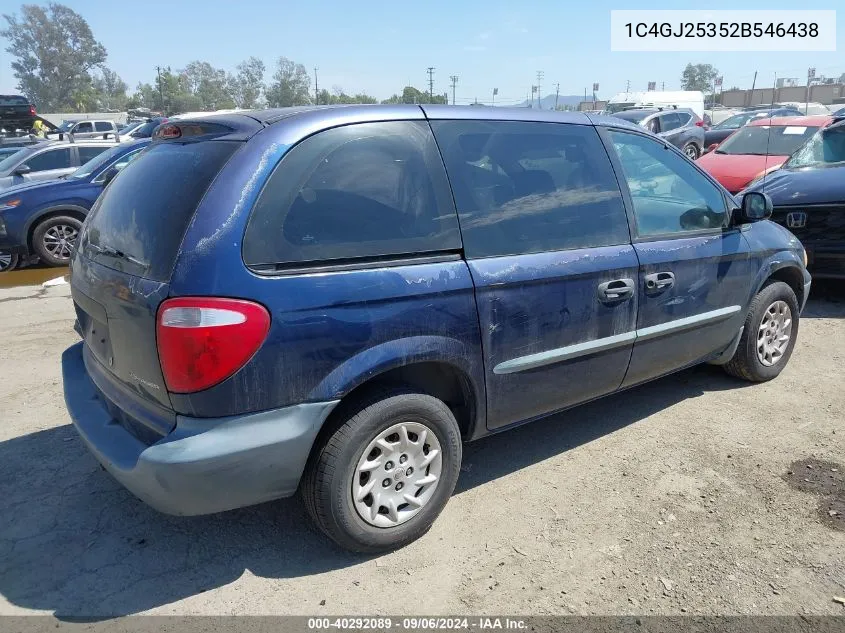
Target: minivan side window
103	126
523	187
51	159
87	152
669	194
83	127
363	190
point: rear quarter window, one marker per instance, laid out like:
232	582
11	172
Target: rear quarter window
358	191
145	211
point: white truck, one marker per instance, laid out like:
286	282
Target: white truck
694	100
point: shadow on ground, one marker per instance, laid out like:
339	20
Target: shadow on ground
827	300
74	543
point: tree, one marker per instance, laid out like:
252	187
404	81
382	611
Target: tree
54	51
338	96
245	87
110	90
291	85
208	84
699	77
414	95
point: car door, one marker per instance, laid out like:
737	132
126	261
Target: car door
83	129
48	164
547	243
696	271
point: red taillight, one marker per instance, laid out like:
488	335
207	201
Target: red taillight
168	131
700	124
203	341
32	110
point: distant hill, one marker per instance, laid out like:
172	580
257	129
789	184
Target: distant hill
548	102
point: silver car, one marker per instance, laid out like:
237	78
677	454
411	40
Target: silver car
95	128
47	161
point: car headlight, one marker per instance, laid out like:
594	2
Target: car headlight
5	205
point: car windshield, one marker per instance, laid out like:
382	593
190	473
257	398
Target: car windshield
738	120
97	162
65	126
827	147
633	115
12	160
762	140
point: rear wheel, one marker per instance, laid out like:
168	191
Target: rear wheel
382	476
768	338
54	239
691	150
8	261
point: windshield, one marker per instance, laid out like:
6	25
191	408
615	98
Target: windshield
145	130
738	120
12	160
827	147
97	162
757	140
633	115
65	126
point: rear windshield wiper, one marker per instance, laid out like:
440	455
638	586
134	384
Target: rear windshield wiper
113	252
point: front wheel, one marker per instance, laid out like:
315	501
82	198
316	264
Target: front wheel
768	338
382	476
691	150
54	239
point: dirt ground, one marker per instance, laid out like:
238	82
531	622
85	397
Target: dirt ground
684	496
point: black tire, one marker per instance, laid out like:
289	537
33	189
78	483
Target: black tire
44	239
746	363
8	261
691	150
327	483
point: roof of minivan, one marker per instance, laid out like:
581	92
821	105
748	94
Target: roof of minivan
248	122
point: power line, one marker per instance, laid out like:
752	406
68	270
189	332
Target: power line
454	79
431	83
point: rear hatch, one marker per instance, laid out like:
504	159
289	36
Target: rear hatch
121	272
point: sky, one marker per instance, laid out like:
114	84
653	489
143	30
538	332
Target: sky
379	47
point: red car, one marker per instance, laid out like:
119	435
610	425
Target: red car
761	146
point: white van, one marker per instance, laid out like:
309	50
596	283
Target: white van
694	100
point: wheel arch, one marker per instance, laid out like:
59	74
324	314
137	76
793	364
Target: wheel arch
71	210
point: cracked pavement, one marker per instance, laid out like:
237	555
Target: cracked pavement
666	499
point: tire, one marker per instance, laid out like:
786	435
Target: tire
54	238
334	471
8	261
691	150
751	363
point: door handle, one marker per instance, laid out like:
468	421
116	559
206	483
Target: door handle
659	281
617	290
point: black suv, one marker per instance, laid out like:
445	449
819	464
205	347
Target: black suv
16	113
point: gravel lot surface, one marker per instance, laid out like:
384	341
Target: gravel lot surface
679	497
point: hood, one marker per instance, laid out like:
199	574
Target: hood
33	186
809	185
735	171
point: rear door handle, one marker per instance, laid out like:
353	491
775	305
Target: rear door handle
659	281
617	290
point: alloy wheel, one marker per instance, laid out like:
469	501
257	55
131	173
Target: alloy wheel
60	239
774	333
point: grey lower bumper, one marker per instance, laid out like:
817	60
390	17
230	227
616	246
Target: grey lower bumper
203	465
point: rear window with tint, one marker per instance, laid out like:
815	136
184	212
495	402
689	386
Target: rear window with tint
359	191
13	101
144	212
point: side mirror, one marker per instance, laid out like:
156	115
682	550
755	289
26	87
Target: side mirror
22	170
756	206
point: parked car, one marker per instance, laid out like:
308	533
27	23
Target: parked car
809	109
145	130
681	127
333	299
16	113
723	130
127	129
839	113
44	218
758	148
94	128
808	193
47	160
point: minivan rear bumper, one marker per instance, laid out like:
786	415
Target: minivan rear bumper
204	465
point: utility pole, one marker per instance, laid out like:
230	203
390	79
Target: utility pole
316	90
751	94
431	83
627	86
811	74
495	92
160	91
539	94
454	79
663	86
557	93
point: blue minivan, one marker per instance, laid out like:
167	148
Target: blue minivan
333	299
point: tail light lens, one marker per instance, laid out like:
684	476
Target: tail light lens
32	110
700	124
203	341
